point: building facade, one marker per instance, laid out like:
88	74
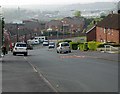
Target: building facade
107	30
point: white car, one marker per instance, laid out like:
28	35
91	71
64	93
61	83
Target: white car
20	48
45	43
63	47
51	45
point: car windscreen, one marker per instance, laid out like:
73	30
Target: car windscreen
65	44
51	43
21	45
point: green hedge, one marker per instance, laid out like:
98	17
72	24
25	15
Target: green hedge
74	45
83	46
92	45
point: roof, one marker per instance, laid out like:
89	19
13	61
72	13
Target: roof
111	21
91	29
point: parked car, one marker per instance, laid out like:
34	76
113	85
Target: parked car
29	47
63	47
51	45
20	48
45	43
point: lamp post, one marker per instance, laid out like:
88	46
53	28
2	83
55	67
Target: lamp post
57	33
3	24
17	32
48	30
63	24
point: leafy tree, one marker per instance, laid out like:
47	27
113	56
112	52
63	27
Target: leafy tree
77	13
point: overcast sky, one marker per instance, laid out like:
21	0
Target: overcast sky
48	2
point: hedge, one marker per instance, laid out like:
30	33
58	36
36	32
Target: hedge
74	45
92	45
83	46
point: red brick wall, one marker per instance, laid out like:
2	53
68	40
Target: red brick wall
91	36
109	35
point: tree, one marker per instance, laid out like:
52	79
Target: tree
77	13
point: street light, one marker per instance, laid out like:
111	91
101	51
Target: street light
63	24
57	33
48	30
17	32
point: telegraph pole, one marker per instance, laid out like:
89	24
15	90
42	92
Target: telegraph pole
3	25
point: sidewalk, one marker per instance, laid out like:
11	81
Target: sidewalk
19	76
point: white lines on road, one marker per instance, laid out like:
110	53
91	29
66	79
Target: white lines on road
34	68
40	75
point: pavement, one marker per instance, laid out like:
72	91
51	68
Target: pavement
19	76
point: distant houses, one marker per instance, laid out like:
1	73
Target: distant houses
67	24
107	30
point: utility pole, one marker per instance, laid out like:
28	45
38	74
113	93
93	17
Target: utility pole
3	25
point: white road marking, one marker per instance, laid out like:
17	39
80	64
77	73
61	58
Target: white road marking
40	74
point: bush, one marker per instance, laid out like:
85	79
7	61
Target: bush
83	46
74	45
67	41
92	45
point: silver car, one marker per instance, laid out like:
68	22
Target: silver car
63	47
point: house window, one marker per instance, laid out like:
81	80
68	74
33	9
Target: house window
104	30
109	32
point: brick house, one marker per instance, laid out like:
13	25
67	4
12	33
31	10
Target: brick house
67	24
91	34
107	30
54	25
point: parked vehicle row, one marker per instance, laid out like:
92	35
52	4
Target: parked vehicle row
22	48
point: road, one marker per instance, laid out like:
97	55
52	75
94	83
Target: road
73	72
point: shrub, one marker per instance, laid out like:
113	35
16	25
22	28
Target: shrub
67	41
74	45
83	46
92	45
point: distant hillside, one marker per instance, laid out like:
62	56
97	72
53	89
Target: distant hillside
89	6
93	6
48	12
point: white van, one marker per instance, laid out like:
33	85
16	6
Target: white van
33	41
40	38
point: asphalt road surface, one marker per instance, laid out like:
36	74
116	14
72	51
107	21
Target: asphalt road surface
72	72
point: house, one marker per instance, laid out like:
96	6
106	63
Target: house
91	34
54	25
67	24
107	30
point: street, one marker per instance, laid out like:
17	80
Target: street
73	72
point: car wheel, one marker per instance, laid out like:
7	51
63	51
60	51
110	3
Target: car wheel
57	52
70	51
14	53
60	52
